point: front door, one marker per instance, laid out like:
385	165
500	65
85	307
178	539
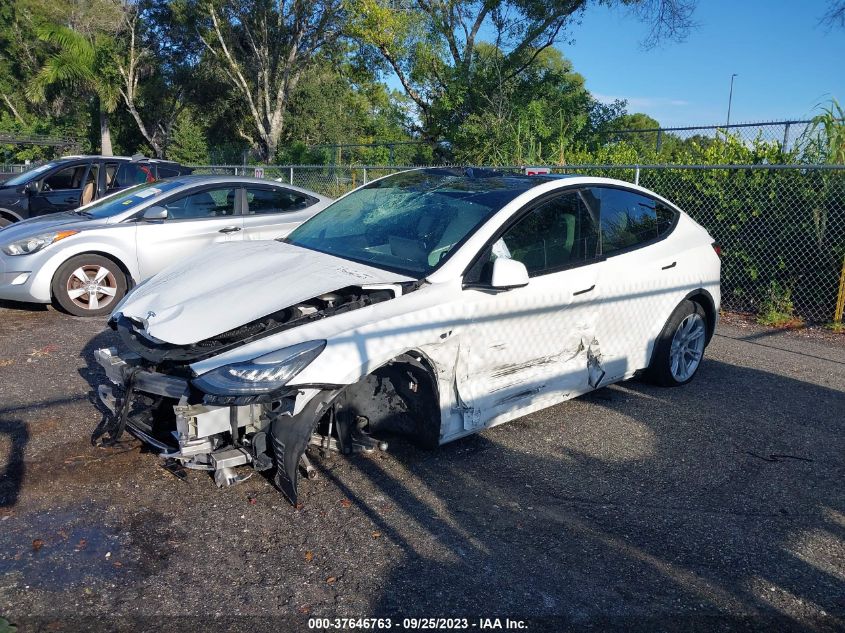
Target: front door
194	221
535	344
60	190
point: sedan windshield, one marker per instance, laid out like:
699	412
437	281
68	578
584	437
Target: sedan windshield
410	222
26	176
128	199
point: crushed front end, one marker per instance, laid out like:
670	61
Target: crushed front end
167	412
238	418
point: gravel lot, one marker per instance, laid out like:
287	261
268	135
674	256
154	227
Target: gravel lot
717	506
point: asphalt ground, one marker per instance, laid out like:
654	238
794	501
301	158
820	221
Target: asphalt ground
716	506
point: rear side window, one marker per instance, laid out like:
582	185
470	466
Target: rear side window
129	174
167	172
629	219
262	201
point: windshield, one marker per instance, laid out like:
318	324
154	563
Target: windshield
410	222
127	199
26	176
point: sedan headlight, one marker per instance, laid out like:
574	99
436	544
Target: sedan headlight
261	375
30	245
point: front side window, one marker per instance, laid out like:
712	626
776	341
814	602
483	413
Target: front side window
211	203
410	222
560	233
262	201
629	219
67	178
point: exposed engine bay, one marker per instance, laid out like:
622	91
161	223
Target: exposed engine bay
160	401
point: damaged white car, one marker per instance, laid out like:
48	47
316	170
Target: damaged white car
429	304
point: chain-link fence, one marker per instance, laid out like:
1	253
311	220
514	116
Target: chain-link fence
781	228
665	140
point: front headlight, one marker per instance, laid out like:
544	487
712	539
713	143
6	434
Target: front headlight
30	245
261	375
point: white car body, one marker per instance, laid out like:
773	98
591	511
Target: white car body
140	248
494	354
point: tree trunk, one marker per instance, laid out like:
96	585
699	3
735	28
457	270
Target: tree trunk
105	133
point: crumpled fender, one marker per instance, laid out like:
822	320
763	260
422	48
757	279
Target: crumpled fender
290	436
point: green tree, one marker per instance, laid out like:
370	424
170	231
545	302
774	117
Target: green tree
262	48
188	145
432	45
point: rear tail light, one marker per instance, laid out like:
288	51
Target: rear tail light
718	249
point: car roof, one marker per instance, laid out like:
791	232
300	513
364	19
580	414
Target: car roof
136	159
195	179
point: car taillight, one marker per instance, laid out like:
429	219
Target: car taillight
718	249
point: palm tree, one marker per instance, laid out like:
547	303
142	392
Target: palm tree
78	63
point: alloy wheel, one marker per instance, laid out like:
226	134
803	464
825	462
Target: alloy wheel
92	287
687	347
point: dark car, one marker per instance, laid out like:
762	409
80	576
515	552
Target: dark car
72	181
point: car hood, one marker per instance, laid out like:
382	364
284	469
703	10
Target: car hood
46	223
231	284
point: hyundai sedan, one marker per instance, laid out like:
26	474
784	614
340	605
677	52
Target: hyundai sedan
429	304
85	260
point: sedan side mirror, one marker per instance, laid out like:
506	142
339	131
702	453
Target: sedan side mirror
154	213
508	273
31	187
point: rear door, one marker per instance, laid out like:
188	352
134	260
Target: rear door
273	212
195	220
643	277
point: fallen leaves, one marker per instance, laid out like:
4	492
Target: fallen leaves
331	580
37	544
346	503
44	351
6	362
309	556
376	534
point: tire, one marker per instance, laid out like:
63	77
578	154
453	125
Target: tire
679	349
74	280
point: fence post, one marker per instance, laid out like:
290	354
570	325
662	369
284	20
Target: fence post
290	175
659	139
636	174
365	175
785	136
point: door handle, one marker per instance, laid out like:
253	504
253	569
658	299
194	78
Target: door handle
230	229
584	291
672	265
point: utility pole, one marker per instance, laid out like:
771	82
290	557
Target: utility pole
730	99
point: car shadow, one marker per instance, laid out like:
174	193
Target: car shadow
715	501
26	307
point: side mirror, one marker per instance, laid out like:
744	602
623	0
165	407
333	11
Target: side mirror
154	213
31	187
508	273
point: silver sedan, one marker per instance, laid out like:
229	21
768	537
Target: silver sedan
85	260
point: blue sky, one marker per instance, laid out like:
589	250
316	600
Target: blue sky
786	62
